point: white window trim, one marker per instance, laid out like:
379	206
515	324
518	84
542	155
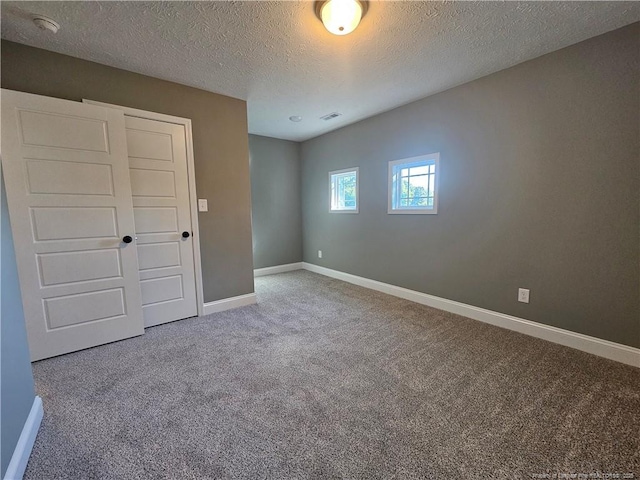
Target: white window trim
345	170
435	157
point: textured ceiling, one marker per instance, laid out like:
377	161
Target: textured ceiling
278	57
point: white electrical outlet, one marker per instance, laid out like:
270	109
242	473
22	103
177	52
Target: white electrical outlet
523	295
202	205
319	253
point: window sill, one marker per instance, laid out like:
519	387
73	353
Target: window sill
412	212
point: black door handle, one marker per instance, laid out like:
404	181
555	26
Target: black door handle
185	234
127	239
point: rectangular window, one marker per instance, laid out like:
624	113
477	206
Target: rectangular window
343	190
413	185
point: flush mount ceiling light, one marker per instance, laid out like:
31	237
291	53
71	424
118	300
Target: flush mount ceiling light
341	16
46	23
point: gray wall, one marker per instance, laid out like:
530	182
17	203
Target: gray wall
16	380
539	189
219	140
275	200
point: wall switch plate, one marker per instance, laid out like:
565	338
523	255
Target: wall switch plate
319	253
523	295
202	205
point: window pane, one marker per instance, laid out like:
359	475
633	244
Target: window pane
404	190
418	188
421	181
343	191
412	184
348	190
421	170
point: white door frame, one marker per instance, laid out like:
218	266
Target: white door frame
193	198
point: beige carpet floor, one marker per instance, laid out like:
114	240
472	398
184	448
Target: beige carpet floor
323	379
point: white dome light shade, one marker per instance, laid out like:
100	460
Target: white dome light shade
46	23
341	16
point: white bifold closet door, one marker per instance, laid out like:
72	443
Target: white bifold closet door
161	207
70	202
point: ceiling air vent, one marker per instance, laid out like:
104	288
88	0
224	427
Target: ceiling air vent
330	116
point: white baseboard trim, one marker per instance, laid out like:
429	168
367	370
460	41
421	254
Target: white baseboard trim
603	348
229	303
21	453
289	267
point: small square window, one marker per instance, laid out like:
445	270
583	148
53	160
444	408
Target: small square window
343	190
413	185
